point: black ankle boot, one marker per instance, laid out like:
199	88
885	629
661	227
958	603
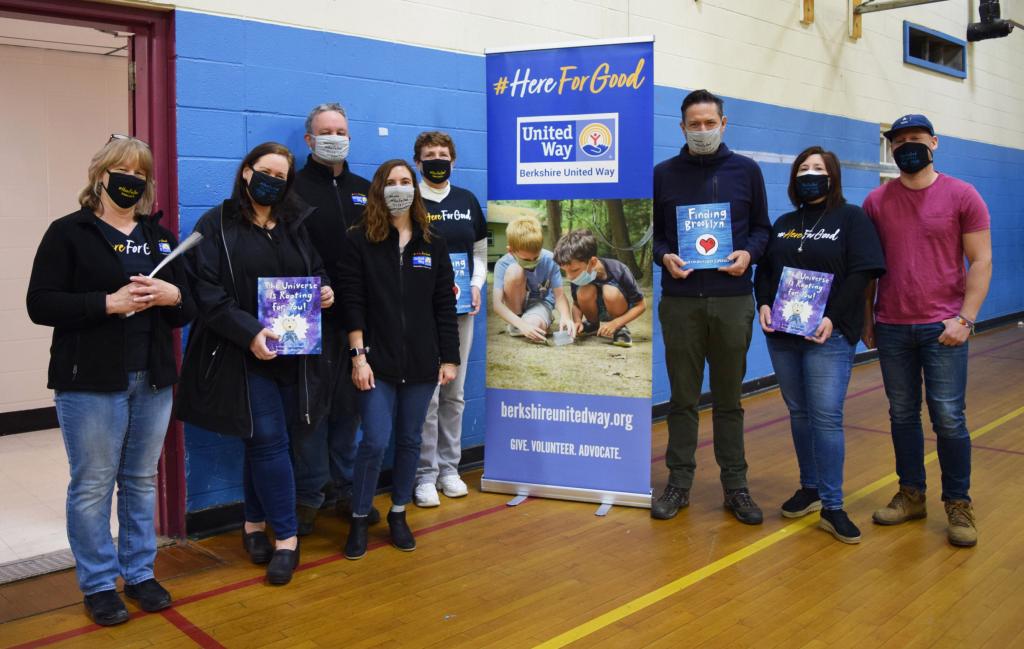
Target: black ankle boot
358	534
401	535
282	565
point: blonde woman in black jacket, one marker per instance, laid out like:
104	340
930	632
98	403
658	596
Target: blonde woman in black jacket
397	291
111	368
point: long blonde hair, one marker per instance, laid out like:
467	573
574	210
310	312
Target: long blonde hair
116	152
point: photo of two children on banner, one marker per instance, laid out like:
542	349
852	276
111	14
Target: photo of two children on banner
571	296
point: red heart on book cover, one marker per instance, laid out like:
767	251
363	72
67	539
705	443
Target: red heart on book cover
707	243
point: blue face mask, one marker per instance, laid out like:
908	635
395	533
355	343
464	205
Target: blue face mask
584	278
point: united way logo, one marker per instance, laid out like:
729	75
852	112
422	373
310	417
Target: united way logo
566	149
595	139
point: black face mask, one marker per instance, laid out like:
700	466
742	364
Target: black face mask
265	189
125	189
810	187
436	171
912	157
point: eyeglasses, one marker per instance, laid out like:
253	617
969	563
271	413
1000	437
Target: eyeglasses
122	136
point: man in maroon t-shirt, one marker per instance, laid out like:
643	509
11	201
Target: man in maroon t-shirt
925	308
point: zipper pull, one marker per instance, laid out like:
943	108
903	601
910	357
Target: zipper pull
74	371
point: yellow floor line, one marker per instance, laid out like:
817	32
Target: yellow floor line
684	582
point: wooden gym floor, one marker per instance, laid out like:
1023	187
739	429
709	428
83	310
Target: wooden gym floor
551	574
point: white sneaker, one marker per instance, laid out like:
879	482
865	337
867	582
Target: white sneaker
453	486
426	495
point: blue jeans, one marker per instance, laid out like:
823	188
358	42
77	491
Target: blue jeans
389	407
267	471
906	352
813	379
113	438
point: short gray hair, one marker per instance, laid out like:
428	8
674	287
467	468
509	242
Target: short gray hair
324	108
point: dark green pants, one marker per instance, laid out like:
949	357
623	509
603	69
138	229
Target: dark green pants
716	330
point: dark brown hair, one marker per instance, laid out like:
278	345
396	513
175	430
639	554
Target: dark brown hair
377	217
432	138
701	96
579	245
240	192
834	198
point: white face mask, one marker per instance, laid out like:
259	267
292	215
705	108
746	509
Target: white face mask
704	142
332	149
399	198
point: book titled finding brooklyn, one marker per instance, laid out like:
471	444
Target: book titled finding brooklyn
705	235
290	307
800	301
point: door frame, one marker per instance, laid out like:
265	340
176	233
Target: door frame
153	120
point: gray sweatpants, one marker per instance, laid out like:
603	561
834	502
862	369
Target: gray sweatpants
441	448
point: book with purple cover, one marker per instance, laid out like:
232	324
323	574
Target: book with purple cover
800	301
290	307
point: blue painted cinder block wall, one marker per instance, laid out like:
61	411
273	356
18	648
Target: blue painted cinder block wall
240	83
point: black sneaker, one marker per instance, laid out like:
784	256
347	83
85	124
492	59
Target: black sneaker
344	507
258	546
743	507
803	502
149	595
839	525
670	502
358	537
401	535
622	338
282	565
106	608
306	517
589	328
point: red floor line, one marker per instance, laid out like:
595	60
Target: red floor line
67	635
196	597
200	637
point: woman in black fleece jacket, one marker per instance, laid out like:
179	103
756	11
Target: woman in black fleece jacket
397	290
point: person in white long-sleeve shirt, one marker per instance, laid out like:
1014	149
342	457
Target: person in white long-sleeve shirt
456	216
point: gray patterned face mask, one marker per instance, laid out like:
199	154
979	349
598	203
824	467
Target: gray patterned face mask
704	142
399	198
331	148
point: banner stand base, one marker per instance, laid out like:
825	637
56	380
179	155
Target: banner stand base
603	509
523	490
518	500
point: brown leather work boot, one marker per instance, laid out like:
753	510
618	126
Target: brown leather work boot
908	504
961	531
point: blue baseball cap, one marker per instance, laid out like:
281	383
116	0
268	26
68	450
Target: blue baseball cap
910	121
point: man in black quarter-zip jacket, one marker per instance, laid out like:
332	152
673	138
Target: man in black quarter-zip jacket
325	457
707	315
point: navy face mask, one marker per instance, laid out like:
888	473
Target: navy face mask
811	186
265	189
912	157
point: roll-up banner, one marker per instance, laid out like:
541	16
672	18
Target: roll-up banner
570	133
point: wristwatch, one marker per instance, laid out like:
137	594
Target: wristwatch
358	351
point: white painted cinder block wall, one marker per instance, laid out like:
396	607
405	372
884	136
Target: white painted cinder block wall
750	49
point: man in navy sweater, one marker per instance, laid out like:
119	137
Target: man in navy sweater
707	314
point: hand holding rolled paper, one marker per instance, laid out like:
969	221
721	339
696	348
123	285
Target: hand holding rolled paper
151	292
